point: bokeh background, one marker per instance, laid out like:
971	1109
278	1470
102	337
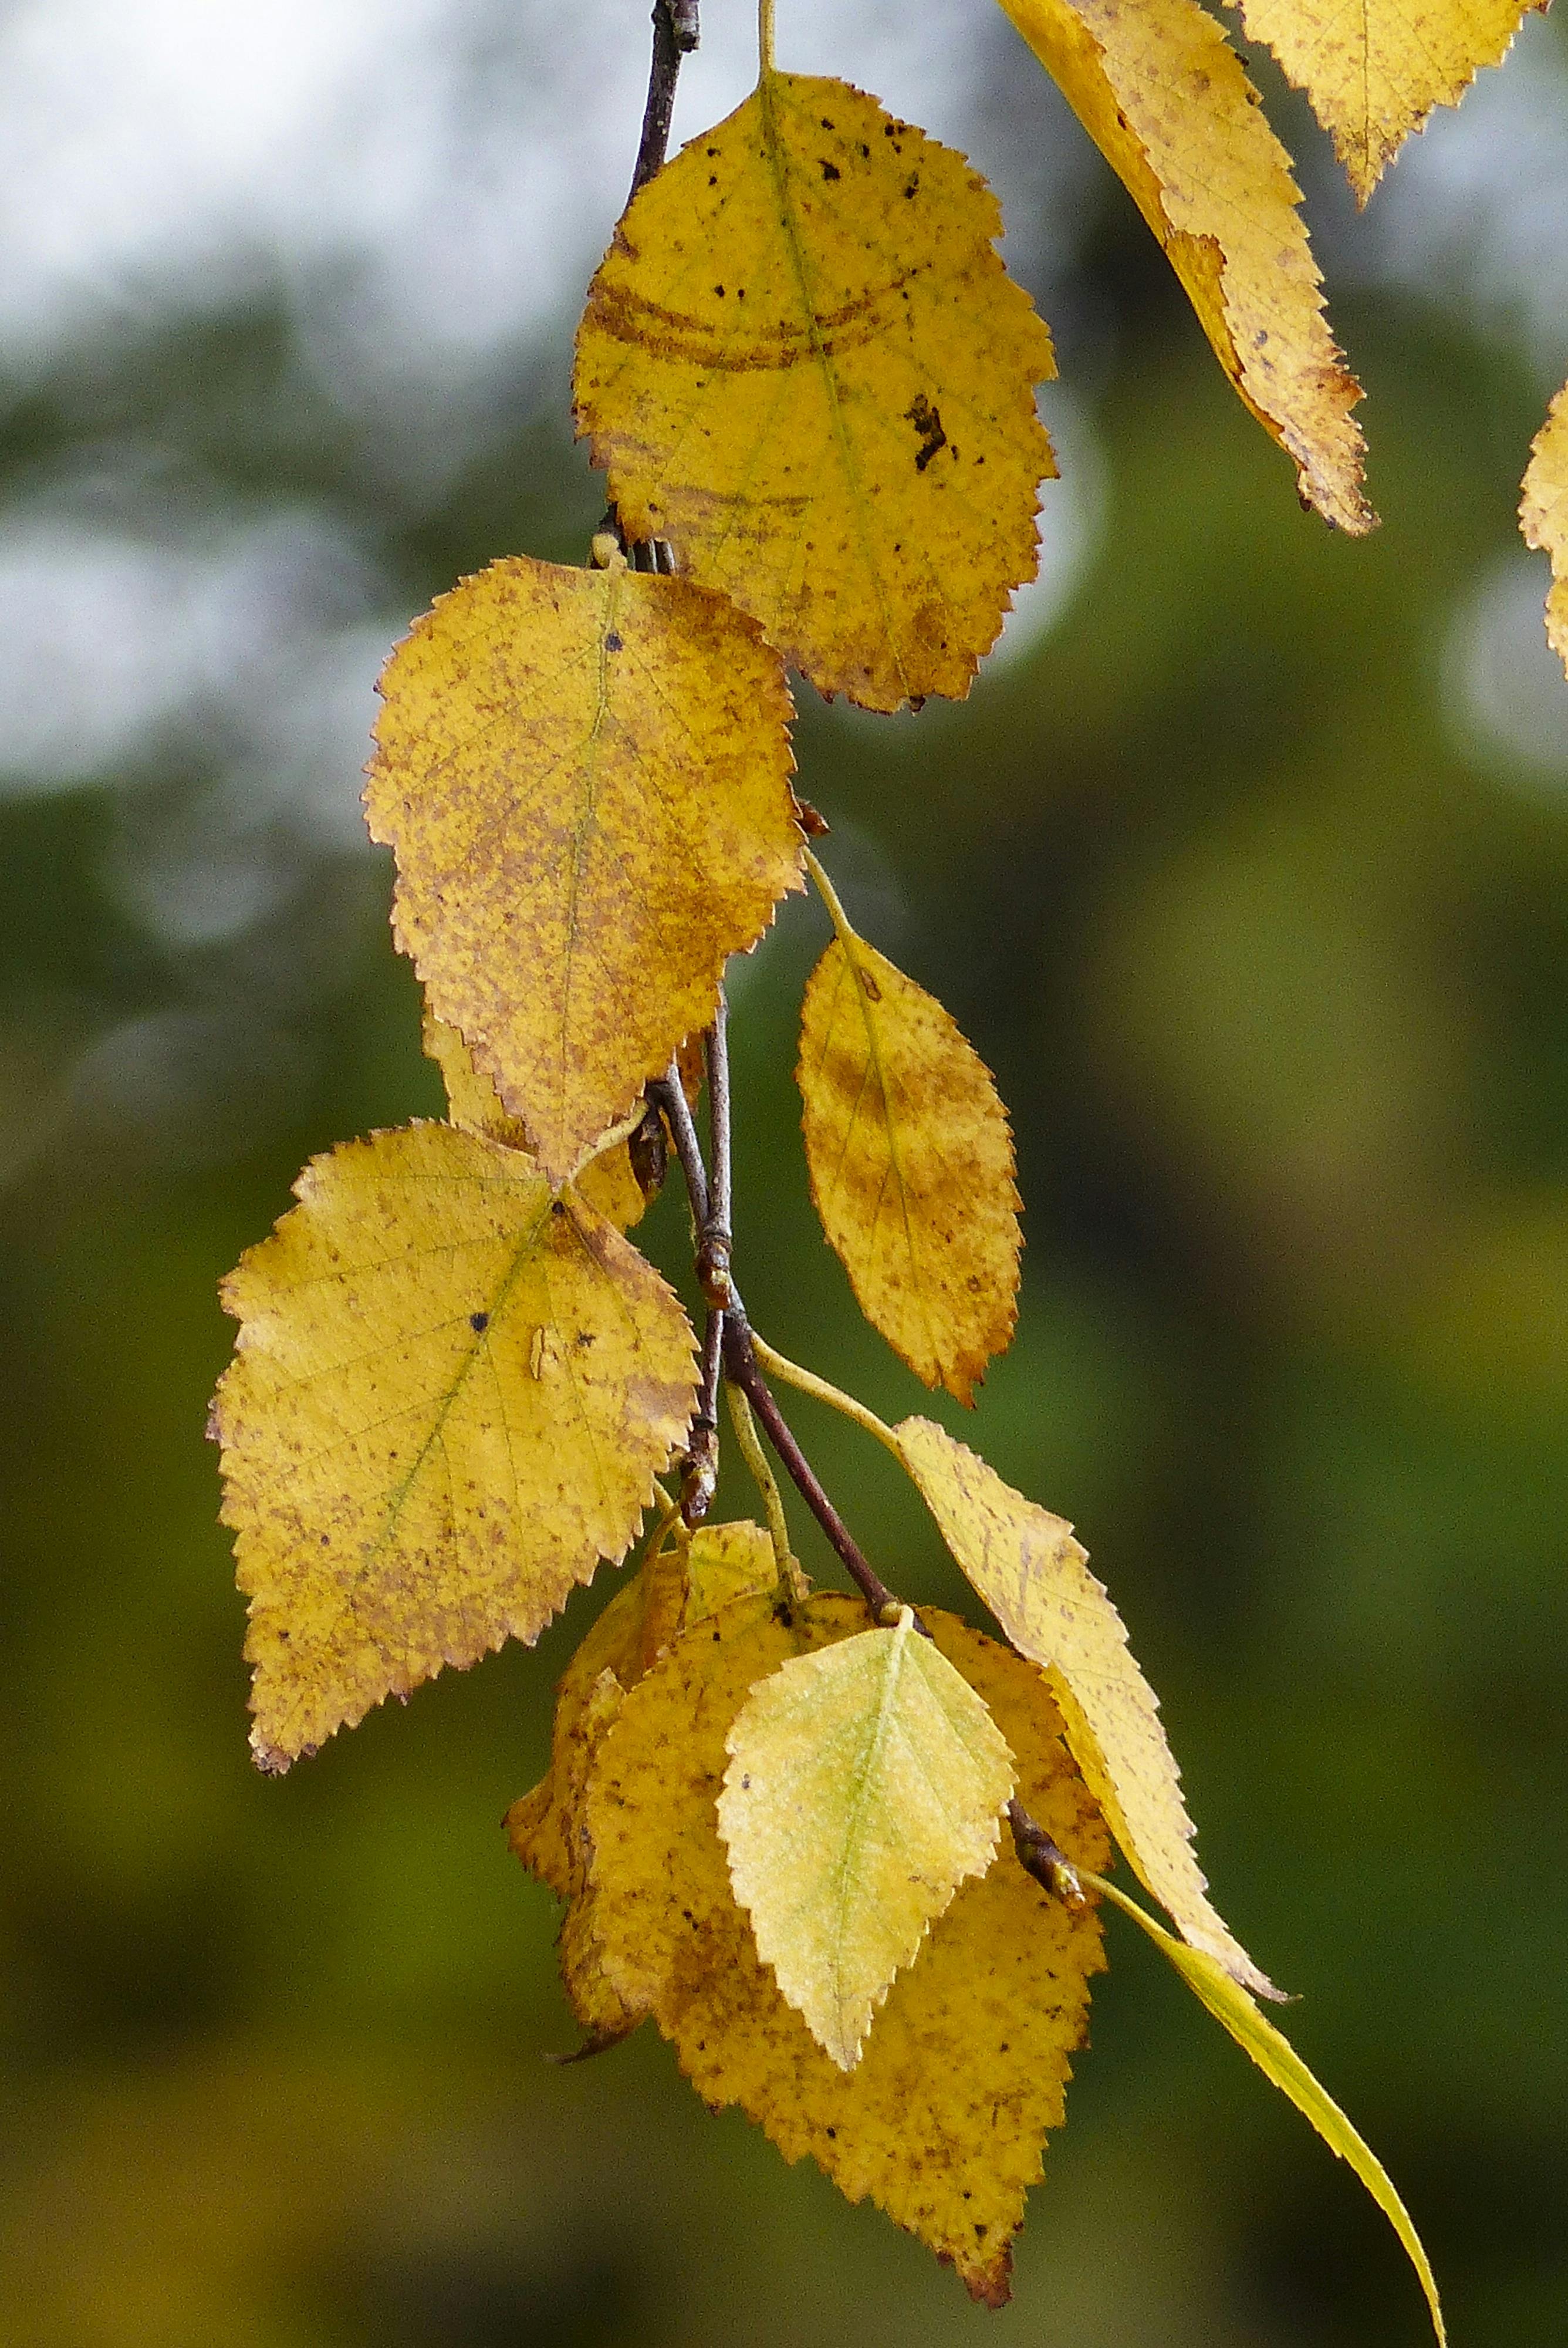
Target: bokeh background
1246	868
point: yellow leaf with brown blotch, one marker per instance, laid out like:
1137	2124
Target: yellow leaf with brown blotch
803	364
942	2121
607	1180
911	1165
584	775
450	1397
1543	515
1035	1578
865	1782
1374	71
1163	97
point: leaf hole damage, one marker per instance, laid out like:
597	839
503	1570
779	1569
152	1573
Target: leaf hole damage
478	1323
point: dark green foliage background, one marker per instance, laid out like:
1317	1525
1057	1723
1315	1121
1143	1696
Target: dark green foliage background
1270	968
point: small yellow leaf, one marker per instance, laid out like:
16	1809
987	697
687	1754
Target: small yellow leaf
585	776
1374	72
911	1166
803	364
1035	1578
606	1181
450	1397
865	1782
1163	97
677	1589
1278	2060
941	2122
1543	514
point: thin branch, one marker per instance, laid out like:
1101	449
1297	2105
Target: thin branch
700	1476
717	1239
668	1095
675	34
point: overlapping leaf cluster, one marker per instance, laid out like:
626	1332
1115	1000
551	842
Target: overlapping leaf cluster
845	1855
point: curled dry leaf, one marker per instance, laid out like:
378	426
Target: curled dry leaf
1163	95
585	778
911	1166
942	2121
1035	1578
449	1399
865	1782
1374	73
1543	514
803	364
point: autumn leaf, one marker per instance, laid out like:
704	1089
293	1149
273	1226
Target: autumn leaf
1163	97
450	1397
679	1586
1543	514
942	2121
585	778
1279	2062
911	1164
865	1782
803	364
606	1181
1374	73
1035	1578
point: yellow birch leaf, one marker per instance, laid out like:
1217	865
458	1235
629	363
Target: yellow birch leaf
865	1782
606	1181
1035	1578
1279	2062
547	1828
450	1397
942	2121
1374	72
911	1165
1543	514
1163	97
803	364
585	778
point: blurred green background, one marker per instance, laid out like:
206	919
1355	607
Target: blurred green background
1246	868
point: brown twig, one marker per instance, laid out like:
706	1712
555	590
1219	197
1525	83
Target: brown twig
675	35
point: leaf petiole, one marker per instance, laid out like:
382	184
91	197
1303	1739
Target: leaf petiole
823	1390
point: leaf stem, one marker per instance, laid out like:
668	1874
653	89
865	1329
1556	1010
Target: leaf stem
825	888
749	1444
675	34
808	1382
766	64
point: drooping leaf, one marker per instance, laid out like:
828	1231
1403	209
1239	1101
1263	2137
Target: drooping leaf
1163	97
911	1165
865	1782
450	1397
606	1181
1543	514
1035	1578
803	364
1278	2060
941	2122
1374	72
585	778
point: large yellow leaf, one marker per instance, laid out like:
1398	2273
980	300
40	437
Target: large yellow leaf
1543	514
803	364
450	1397
1163	95
941	2123
1374	70
1035	1578
865	1782
911	1165
606	1181
1279	2061
585	776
